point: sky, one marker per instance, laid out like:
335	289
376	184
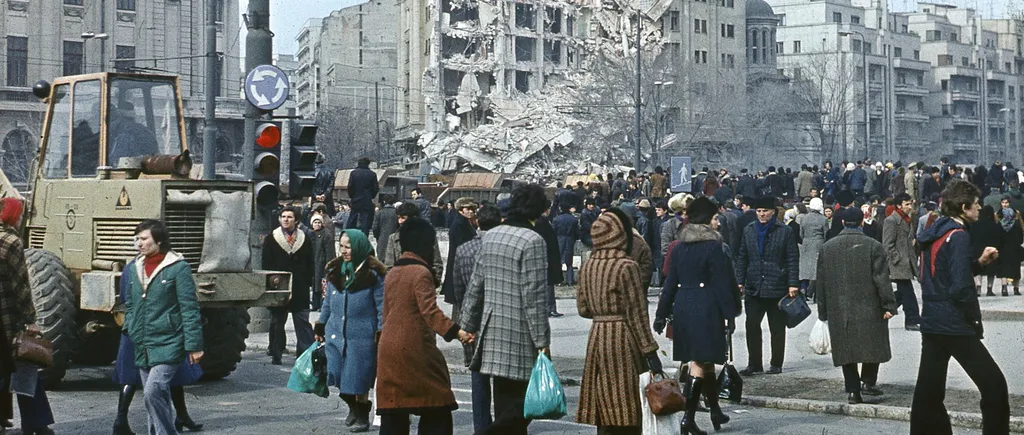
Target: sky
288	16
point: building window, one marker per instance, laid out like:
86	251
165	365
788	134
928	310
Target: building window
796	46
73	53
917	54
728	31
965	61
553	52
17	61
526	17
945	60
897	52
727	3
730	61
855	45
524	49
933	35
124	52
837	17
126	5
854	19
219	17
700	56
673	21
73	2
523	81
867	48
944	84
782	19
953	37
700	26
798	73
780	47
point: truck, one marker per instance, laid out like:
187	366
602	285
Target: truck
113	153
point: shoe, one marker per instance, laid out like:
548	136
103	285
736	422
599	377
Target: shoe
122	429
362	423
352	410
6	423
710	391
1004	291
870	390
42	431
186	422
990	293
854	398
1016	291
275	360
751	371
688	426
774	370
912	327
124	401
555	314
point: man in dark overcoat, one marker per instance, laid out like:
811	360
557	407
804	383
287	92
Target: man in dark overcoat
461	231
856	299
289	249
362	188
567	229
323	186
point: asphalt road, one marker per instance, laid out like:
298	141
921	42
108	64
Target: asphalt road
254	400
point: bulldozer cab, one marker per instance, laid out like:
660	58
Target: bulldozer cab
95	120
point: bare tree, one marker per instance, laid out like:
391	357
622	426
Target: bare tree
827	82
345	135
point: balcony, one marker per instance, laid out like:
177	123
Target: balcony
910	89
994	99
913	116
964	95
876	86
965	119
912	143
996	122
964	144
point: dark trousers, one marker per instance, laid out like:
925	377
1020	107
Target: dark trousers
509	396
361	220
928	414
35	411
303	330
905	296
481	401
552	304
868	374
619	430
436	422
757	308
317	299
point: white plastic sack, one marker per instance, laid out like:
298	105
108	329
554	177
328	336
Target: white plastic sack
820	341
652	424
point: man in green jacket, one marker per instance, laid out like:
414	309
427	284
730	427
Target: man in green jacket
162	318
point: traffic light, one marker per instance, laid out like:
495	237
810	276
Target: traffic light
267	166
302	162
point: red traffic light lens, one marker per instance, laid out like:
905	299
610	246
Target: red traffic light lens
268	135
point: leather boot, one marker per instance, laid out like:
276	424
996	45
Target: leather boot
1016	290
718	418
124	401
352	409
362	423
689	424
1004	291
182	419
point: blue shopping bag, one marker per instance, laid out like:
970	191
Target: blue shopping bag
545	399
302	379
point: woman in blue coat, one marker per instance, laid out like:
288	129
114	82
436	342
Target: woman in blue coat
126	374
350	323
702	297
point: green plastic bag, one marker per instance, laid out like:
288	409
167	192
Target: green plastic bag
302	379
545	399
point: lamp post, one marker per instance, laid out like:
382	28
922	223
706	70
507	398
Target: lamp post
657	115
1006	129
639	101
867	107
85	37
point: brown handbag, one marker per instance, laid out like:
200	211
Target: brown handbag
33	348
664	396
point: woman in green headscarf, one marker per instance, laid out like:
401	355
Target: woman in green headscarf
350	324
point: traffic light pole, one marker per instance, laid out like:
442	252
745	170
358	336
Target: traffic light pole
212	82
259	43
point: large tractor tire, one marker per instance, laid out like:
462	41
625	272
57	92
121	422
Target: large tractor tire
99	339
53	292
224	334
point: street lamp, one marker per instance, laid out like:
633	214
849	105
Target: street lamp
867	108
657	117
85	37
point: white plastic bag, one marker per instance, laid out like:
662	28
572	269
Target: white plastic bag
652	424
820	341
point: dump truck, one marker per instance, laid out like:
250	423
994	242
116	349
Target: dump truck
114	152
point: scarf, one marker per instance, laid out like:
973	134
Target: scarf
902	215
1007	218
762	234
361	249
290	235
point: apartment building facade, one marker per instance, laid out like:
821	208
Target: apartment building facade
307	85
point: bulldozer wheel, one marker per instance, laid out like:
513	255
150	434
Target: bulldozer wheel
98	348
224	334
53	293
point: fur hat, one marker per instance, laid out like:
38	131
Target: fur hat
844	198
701	210
762	202
465	202
679	201
644	203
418	236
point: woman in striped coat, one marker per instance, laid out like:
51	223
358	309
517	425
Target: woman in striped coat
621	343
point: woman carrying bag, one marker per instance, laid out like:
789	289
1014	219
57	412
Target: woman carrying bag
1010	252
621	345
701	294
350	322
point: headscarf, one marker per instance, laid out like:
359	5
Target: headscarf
1007	218
10	210
816	205
361	249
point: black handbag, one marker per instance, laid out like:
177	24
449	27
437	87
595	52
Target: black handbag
730	384
795	309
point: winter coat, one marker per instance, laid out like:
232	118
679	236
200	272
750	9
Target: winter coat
362	188
853	293
641	254
162	312
461	231
1010	252
742	222
587	219
746	186
424	205
611	293
775	185
898	242
986	232
950	304
1016	200
898	185
656	226
870	182
701	295
671	229
385	223
554	262
910	183
506	303
16	307
395	251
412	375
324	185
567	229
350	318
929	187
465	262
658	186
872	230
858	179
296	258
323	252
813	228
804	184
768	275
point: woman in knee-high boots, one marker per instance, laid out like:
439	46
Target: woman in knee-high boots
127	376
702	296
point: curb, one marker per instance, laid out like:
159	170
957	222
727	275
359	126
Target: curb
865	410
1002	315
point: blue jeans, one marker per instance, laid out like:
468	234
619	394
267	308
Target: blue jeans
35	411
481	401
156	383
905	296
363	218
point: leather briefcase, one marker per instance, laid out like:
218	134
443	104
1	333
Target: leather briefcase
665	397
33	348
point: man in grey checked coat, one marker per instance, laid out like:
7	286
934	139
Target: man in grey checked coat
506	307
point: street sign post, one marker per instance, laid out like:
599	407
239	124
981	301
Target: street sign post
680	180
266	87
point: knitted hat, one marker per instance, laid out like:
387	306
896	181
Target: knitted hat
10	211
816	205
316	217
612	230
418	237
